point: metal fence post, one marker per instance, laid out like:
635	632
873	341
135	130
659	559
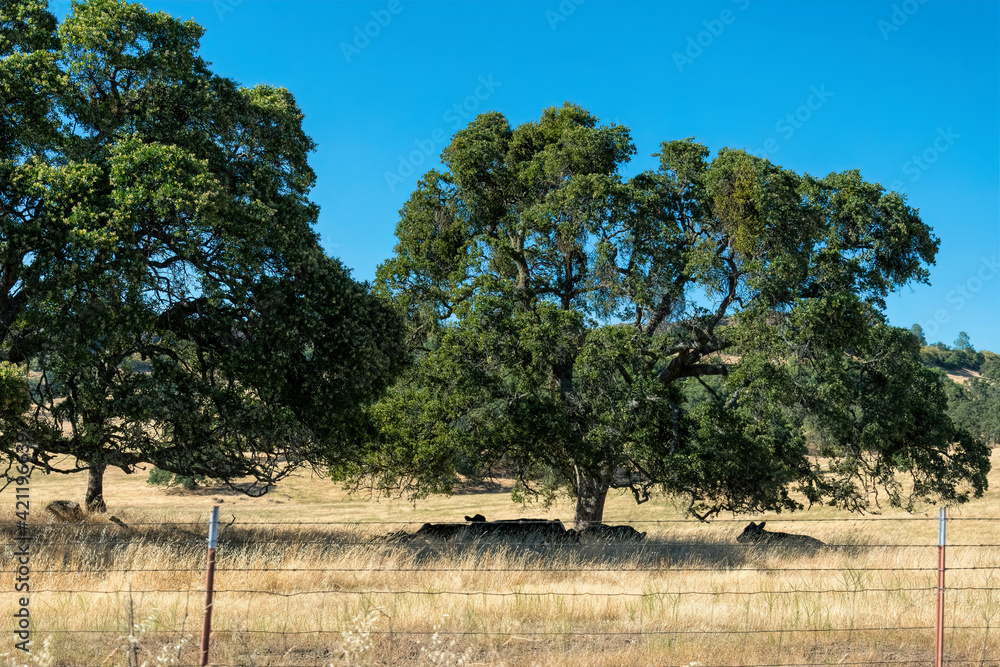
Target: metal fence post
206	627
939	644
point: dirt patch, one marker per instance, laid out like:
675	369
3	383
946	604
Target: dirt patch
962	375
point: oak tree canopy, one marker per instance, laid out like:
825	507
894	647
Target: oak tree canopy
711	329
158	268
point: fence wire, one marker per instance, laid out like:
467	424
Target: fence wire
239	535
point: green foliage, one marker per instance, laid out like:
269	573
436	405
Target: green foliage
159	477
942	356
14	397
896	405
677	331
159	263
975	405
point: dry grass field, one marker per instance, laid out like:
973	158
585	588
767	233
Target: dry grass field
314	583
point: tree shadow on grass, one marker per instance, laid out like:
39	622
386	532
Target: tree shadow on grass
96	543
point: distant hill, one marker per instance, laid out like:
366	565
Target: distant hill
973	406
960	364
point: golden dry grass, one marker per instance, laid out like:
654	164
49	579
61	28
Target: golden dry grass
689	594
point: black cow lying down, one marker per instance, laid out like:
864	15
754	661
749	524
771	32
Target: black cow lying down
518	528
479	527
613	533
544	530
755	534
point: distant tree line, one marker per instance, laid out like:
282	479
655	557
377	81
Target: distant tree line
975	403
961	356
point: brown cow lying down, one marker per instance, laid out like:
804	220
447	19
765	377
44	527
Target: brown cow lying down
755	533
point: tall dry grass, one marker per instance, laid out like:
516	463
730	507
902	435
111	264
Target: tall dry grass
333	593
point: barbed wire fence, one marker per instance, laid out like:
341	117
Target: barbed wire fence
656	552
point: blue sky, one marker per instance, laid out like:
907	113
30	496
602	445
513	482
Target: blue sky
907	91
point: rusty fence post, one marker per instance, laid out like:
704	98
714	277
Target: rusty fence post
939	643
206	627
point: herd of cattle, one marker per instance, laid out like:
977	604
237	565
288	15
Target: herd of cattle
521	530
553	530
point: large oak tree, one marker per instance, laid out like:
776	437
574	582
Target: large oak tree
683	330
158	266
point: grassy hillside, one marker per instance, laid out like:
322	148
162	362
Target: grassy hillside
961	363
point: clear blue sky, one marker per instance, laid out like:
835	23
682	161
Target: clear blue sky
907	91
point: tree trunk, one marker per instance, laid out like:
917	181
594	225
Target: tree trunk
95	488
591	492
